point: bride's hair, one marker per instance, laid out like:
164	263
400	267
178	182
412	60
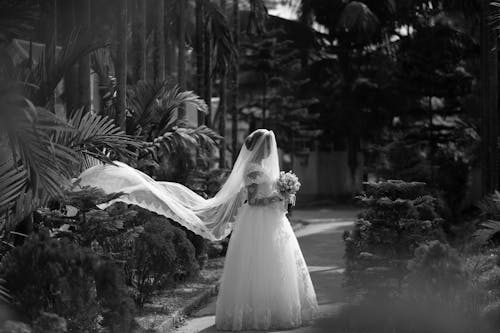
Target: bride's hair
254	137
265	147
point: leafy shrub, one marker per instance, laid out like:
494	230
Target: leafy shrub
399	217
162	255
491	314
15	327
50	322
402	316
117	306
489	231
436	270
52	275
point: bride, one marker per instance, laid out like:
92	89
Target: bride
265	283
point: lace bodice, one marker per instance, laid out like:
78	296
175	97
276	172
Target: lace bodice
265	186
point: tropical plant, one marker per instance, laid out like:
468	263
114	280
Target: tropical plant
178	152
30	150
97	139
46	151
152	107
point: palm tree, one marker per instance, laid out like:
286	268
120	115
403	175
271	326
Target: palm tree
200	63
71	76
207	81
222	106
139	39
84	63
233	107
159	58
181	58
219	49
50	37
169	36
121	64
43	151
489	100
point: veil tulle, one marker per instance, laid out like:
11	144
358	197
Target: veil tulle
210	218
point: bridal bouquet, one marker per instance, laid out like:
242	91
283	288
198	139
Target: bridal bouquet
288	185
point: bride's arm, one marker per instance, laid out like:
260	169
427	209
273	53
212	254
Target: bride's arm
253	201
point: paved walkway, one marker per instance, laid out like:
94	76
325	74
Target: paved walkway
323	249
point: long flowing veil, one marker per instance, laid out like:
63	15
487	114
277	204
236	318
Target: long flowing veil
210	218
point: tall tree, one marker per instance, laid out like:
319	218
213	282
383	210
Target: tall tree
222	106
84	18
181	59
208	71
71	76
170	47
159	49
200	61
234	80
50	36
139	39
489	102
121	64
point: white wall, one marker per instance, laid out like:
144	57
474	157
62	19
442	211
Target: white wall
327	174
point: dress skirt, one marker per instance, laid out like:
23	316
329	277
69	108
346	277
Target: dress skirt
266	283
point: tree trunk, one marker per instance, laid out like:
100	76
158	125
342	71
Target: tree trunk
199	54
222	107
208	72
71	76
489	102
159	49
181	65
170	52
139	39
167	36
121	65
234	81
50	40
84	63
264	101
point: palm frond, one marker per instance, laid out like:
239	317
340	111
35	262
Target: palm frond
97	137
13	182
28	132
490	206
51	68
489	229
182	139
143	99
224	51
4	292
172	100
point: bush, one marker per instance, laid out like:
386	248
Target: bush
436	270
117	306
53	275
399	217
50	322
491	314
162	255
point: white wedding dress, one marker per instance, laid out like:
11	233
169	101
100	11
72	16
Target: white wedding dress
266	283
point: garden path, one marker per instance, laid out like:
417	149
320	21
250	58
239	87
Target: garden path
323	249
